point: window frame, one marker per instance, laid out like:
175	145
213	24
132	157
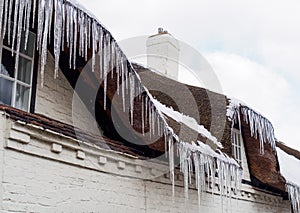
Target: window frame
236	145
14	79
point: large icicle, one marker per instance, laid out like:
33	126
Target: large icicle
57	33
19	30
294	196
260	127
1	15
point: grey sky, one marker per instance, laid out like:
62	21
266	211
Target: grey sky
252	45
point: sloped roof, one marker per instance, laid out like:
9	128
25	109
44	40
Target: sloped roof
76	36
263	167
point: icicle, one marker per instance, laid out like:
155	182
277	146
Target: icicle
94	47
50	12
197	176
81	33
106	67
75	18
1	15
19	31
41	21
71	16
101	51
85	40
117	67
82	36
89	39
25	14
89	32
186	175
33	12
45	38
108	52
146	109
153	119
132	95
126	77
9	21
28	11
5	19
57	34
294	196
63	27
143	119
112	58
150	119
158	124
171	163
123	83
15	24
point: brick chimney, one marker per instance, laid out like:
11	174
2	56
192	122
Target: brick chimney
163	53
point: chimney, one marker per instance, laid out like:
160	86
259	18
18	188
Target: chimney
163	53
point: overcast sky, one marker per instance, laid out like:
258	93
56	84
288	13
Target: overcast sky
252	45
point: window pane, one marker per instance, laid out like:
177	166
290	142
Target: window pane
8	64
5	40
22	97
6	87
24	72
239	140
30	44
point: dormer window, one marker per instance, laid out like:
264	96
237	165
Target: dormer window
16	79
236	141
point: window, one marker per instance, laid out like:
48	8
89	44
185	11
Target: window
16	80
236	141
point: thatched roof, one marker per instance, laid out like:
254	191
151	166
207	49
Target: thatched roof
211	106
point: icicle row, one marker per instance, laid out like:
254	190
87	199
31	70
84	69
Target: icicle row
207	164
294	196
1	15
58	22
260	127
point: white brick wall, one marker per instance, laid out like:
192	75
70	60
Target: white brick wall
55	100
39	185
35	179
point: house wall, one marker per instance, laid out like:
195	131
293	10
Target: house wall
56	99
45	172
246	173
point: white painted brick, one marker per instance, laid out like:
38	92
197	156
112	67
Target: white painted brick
80	155
102	160
121	165
57	148
139	169
153	171
55	100
19	136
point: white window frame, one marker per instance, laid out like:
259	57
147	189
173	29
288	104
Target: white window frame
236	144
15	78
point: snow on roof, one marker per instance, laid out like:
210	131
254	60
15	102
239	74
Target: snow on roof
80	6
289	166
187	120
